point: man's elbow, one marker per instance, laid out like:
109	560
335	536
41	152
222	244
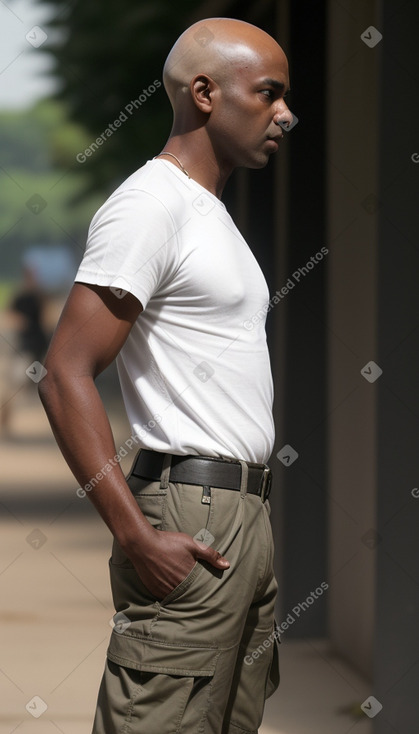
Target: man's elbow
47	386
54	383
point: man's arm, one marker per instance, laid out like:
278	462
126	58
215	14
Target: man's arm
92	329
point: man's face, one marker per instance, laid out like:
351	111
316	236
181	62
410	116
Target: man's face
249	103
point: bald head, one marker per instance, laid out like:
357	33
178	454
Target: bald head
215	47
227	81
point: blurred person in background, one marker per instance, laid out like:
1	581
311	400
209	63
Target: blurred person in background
30	339
166	284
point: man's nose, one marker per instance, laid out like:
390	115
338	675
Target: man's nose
283	114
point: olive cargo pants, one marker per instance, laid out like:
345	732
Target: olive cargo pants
204	659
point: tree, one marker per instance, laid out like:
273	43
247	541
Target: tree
108	58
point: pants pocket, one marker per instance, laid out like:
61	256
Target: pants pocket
183	586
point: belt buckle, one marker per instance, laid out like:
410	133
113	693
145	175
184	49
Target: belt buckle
266	484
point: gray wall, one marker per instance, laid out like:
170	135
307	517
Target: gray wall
347	511
373	306
396	670
352	173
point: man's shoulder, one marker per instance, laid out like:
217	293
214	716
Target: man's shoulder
152	181
149	199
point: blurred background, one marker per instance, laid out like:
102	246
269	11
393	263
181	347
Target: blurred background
333	222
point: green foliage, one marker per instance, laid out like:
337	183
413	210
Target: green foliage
105	55
39	138
37	154
7	288
22	144
50	217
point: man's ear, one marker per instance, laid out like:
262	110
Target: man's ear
202	90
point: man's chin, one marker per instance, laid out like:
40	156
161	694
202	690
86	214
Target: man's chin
259	162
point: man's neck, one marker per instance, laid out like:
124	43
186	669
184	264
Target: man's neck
198	160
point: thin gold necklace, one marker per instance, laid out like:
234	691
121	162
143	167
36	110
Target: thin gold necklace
165	152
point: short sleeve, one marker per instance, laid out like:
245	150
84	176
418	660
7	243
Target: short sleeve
131	245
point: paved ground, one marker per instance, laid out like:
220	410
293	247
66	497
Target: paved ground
55	605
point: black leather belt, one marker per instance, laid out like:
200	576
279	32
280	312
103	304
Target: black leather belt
206	471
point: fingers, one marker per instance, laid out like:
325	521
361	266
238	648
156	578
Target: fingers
211	555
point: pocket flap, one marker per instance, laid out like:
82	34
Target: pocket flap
157	656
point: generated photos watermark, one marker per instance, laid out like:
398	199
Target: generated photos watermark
123	116
290	619
260	316
129	444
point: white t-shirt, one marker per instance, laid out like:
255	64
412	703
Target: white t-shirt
194	379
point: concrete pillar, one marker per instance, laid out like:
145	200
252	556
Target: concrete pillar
396	665
352	193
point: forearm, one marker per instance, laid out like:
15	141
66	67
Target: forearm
83	433
92	329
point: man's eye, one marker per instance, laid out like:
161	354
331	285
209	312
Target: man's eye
268	92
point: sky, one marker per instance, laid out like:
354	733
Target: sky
23	65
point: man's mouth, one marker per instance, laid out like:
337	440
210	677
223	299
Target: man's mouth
276	138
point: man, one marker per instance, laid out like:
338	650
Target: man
166	284
30	338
